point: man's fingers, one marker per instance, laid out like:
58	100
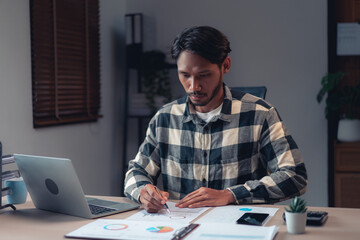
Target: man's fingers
150	206
197	193
148	199
153	199
206	197
194	193
202	203
155	193
152	210
165	195
190	199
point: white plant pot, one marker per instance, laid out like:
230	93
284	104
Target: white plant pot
295	222
349	130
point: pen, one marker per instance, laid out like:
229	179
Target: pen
165	205
180	234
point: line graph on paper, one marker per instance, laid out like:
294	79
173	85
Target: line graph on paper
177	214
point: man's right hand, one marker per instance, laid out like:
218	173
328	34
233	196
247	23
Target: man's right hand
151	200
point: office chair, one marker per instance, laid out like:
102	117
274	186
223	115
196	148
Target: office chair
259	91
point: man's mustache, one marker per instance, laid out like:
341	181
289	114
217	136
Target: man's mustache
196	94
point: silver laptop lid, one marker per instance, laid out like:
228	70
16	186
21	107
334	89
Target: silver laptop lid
53	184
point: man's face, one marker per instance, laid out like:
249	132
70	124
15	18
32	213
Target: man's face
202	80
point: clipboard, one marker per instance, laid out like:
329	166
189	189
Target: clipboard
183	232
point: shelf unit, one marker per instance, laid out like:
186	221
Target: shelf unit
134	51
343	158
3	191
347	174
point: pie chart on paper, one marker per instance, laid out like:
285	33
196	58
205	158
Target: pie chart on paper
115	226
161	229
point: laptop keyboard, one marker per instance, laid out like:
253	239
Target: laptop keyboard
96	210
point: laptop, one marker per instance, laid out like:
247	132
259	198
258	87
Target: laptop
54	186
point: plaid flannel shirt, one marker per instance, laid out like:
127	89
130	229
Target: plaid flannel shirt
245	149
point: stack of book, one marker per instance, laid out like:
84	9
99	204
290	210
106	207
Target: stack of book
8	174
8	159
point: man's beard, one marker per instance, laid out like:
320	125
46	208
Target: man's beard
213	94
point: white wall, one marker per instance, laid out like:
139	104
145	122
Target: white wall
93	147
281	44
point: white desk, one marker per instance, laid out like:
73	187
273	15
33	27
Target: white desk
29	223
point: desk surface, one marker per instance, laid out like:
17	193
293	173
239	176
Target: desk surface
27	222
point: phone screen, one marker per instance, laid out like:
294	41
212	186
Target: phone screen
252	218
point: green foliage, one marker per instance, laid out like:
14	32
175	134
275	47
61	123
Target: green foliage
297	205
345	98
155	77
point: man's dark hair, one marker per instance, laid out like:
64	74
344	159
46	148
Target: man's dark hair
205	41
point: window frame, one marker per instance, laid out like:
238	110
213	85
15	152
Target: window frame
65	54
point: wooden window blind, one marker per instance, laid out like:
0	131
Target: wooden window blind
65	61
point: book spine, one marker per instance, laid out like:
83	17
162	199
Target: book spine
8	159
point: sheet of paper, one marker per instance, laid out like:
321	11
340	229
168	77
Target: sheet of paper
127	229
348	39
177	214
221	231
229	214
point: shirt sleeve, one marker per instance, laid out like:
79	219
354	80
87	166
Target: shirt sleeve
285	176
145	168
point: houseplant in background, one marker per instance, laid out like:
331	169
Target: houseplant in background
155	79
342	100
295	216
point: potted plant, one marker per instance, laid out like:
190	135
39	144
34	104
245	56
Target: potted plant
295	216
343	101
155	79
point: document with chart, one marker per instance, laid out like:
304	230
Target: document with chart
176	214
220	231
127	229
229	214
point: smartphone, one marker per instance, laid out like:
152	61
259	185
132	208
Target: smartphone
252	218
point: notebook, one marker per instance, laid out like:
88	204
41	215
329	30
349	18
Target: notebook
54	186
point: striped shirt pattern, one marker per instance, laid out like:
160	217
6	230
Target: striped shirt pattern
245	149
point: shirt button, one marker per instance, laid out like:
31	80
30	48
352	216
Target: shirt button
205	154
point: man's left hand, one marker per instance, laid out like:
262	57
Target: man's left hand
206	197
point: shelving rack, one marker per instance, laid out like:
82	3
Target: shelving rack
134	50
6	190
343	166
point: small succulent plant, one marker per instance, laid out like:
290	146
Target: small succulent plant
297	205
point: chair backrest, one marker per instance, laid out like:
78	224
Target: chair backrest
259	91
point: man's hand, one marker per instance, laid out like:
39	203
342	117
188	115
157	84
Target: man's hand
206	197
151	200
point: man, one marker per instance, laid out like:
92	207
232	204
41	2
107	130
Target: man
212	149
